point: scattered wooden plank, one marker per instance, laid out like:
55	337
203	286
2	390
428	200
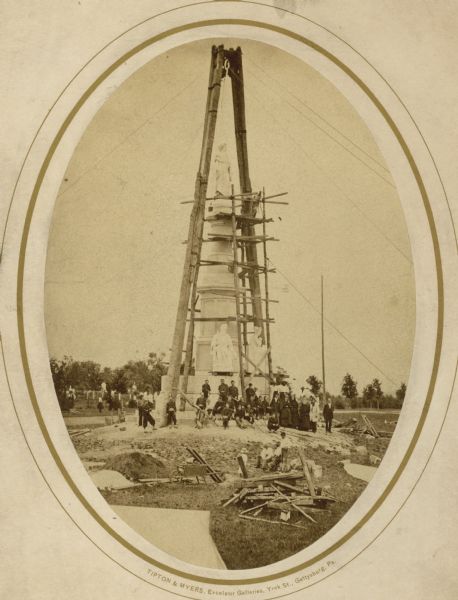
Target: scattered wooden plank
231	500
260	497
243	493
257	507
288	486
280	504
296	506
272	522
317	501
278	476
307	473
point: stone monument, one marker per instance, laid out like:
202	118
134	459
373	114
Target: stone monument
215	347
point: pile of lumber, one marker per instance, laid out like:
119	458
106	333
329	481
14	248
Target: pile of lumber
366	427
288	496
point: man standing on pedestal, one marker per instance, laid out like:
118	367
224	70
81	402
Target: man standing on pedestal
206	389
250	393
233	392
223	390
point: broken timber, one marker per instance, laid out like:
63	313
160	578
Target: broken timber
213	474
275	492
370	427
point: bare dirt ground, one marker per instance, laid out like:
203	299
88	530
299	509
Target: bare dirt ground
242	544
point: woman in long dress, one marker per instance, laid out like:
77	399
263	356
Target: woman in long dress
304	416
294	412
285	410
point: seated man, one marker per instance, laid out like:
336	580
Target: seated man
201	415
249	415
226	415
285	445
219	405
272	423
201	402
274	462
264	456
240	415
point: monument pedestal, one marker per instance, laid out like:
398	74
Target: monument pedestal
194	390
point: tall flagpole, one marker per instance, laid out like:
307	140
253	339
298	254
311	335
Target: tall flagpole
322	341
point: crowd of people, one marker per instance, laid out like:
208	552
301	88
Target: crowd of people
281	409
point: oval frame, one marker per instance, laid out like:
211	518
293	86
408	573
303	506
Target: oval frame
437	255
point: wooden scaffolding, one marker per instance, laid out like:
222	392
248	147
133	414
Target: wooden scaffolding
246	210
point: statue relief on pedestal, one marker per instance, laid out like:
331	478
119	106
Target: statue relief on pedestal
222	351
257	352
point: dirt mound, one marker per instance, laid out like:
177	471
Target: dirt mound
137	465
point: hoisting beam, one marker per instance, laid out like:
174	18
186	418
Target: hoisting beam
193	248
249	208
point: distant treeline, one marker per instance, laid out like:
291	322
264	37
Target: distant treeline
146	375
372	395
88	375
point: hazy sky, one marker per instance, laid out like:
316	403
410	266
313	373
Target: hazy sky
115	250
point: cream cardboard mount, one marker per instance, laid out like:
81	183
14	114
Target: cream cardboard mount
60	537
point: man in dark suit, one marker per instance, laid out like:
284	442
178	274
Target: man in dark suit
223	390
328	414
206	389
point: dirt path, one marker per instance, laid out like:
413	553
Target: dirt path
184	534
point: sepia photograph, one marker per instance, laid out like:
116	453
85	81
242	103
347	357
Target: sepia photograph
229	303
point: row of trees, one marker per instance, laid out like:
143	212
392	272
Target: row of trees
146	375
372	395
89	375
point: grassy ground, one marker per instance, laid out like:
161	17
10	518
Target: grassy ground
248	544
382	420
243	544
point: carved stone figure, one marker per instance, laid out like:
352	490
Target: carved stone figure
223	172
257	352
222	351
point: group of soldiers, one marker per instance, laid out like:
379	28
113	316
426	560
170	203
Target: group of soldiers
146	404
282	409
228	404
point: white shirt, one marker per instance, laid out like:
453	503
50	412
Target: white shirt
314	412
285	443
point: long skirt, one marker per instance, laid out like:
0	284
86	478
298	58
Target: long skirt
285	417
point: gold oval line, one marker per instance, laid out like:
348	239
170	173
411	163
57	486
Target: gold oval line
20	313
